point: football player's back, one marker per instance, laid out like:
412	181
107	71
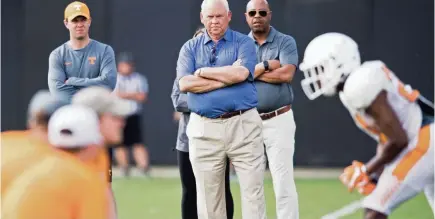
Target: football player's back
362	87
20	151
58	186
101	164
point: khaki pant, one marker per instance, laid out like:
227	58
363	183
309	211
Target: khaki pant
210	142
279	139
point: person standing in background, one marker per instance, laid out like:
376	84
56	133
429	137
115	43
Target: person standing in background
188	182
277	58
224	121
133	87
80	62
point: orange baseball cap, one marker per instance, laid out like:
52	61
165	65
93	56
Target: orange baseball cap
76	9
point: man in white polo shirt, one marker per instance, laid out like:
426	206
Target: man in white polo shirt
133	87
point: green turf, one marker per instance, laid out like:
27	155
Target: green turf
160	199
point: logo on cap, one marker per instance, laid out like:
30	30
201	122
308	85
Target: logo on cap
77	7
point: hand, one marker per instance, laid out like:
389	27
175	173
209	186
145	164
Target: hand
197	72
176	116
355	176
366	189
67	80
274	64
120	95
238	62
70	81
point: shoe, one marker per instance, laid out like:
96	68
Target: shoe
146	172
126	171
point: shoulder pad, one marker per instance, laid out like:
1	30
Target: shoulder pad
364	84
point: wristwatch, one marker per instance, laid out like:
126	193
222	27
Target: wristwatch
266	65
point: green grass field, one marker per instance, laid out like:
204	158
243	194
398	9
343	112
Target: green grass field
159	198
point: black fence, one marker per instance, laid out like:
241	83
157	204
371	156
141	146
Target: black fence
398	32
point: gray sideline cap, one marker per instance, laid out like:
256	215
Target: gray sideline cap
43	101
125	57
102	100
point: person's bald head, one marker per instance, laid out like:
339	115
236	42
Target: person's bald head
258	16
255	4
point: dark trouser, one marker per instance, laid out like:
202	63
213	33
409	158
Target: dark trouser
188	200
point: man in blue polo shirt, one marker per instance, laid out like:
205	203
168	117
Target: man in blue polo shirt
224	120
277	58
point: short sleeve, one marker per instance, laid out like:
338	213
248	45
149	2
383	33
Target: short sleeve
186	61
288	53
247	53
144	84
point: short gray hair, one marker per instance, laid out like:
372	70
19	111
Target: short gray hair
206	3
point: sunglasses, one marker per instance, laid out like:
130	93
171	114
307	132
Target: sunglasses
261	13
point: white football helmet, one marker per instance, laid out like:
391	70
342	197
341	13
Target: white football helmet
327	60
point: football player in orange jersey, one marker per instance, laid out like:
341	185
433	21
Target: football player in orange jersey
112	111
22	148
61	185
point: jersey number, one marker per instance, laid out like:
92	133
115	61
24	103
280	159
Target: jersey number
410	95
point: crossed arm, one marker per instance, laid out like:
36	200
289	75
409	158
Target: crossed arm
196	84
211	78
277	74
282	70
57	76
137	96
107	76
140	95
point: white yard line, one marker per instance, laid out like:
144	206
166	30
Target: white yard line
345	210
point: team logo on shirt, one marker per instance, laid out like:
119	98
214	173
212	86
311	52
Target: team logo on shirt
92	60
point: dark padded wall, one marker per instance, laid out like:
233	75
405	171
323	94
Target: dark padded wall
400	33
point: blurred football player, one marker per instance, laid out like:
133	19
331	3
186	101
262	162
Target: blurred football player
61	184
111	111
22	148
394	114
